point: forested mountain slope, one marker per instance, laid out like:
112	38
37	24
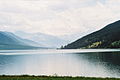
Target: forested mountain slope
107	37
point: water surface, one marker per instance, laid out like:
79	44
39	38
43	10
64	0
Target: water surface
90	62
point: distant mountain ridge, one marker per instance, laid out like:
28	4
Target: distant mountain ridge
45	40
9	40
107	37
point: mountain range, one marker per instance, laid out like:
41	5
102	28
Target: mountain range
24	40
9	40
42	39
107	37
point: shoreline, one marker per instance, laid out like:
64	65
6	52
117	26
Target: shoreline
44	77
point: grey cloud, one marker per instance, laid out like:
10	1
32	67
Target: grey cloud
57	17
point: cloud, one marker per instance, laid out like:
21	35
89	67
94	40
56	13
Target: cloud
57	17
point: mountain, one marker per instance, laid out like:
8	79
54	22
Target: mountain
107	37
9	40
45	40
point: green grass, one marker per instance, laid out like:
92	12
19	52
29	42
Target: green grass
25	77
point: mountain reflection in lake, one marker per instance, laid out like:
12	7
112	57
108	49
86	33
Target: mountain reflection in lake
92	64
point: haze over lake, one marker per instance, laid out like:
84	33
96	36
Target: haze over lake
92	63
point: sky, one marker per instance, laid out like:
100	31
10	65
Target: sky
57	17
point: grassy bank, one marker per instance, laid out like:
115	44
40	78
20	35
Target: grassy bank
51	78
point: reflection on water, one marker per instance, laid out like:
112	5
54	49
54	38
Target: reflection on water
95	64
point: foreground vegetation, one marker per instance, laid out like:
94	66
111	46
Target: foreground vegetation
26	77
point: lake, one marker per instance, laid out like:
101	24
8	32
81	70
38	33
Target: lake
79	62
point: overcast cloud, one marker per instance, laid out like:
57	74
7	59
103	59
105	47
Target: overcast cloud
57	17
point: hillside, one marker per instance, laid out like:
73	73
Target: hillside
9	40
107	37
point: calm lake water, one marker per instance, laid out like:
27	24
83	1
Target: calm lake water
85	62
